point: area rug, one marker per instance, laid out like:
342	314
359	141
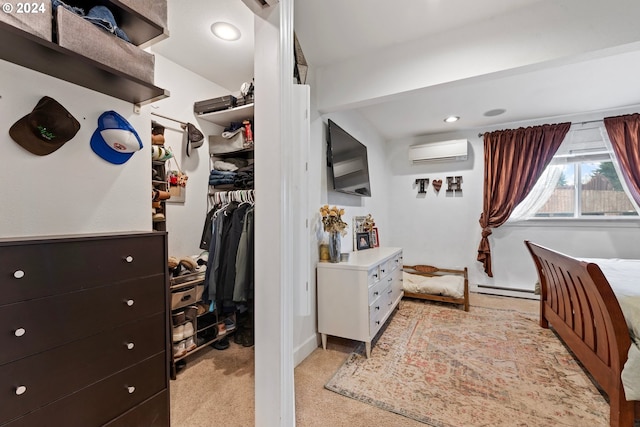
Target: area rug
445	367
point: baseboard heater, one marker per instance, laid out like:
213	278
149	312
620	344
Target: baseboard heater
500	288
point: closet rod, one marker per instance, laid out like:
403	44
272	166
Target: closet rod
480	135
169	118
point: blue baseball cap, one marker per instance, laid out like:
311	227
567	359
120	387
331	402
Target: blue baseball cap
115	140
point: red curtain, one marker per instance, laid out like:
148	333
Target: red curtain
624	133
513	162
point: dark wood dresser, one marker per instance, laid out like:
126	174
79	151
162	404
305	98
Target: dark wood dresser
84	331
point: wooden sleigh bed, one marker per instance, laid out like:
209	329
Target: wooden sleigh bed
579	303
435	272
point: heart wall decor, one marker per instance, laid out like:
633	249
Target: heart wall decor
437	184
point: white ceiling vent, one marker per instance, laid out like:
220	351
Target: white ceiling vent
439	151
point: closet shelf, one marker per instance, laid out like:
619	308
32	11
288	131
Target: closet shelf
243	153
30	51
224	117
141	30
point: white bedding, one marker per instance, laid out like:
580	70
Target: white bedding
447	285
624	277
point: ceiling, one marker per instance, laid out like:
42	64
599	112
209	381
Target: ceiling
334	31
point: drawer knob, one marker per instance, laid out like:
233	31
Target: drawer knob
18	274
375	293
131	389
20	332
21	390
377	322
130	346
383	271
130	302
377	307
129	258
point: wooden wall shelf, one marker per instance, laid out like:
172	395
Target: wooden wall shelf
30	51
224	117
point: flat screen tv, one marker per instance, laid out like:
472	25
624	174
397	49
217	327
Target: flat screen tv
347	159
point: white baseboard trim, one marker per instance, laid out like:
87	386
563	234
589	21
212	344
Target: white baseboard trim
303	351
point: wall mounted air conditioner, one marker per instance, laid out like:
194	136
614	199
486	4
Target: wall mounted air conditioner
439	151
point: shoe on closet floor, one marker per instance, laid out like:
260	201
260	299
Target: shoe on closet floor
188	330
178	318
190	344
222	328
229	324
178	333
179	349
222	344
190	313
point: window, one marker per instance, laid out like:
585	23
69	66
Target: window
582	181
587	189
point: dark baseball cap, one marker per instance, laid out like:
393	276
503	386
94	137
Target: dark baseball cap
195	138
48	127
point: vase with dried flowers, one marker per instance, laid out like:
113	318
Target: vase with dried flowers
335	226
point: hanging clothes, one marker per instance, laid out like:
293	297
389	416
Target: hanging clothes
229	278
243	287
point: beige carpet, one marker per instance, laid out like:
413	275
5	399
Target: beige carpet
217	387
489	367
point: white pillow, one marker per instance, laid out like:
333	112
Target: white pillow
447	285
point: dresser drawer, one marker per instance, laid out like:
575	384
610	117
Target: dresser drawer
385	268
373	275
375	291
33	326
395	262
34	269
377	311
396	285
388	280
102	401
56	373
153	412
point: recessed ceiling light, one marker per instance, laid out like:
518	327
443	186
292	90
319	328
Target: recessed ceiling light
225	31
495	112
452	119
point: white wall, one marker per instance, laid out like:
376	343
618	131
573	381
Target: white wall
445	231
321	192
376	205
71	190
185	220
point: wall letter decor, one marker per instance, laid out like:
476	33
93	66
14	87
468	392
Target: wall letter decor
454	183
437	184
423	182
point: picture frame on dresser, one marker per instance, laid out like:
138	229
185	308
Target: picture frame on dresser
363	241
375	240
358	222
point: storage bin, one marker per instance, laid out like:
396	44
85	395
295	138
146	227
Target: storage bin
36	22
87	39
221	145
183	297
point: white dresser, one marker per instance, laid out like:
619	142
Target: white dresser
355	298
